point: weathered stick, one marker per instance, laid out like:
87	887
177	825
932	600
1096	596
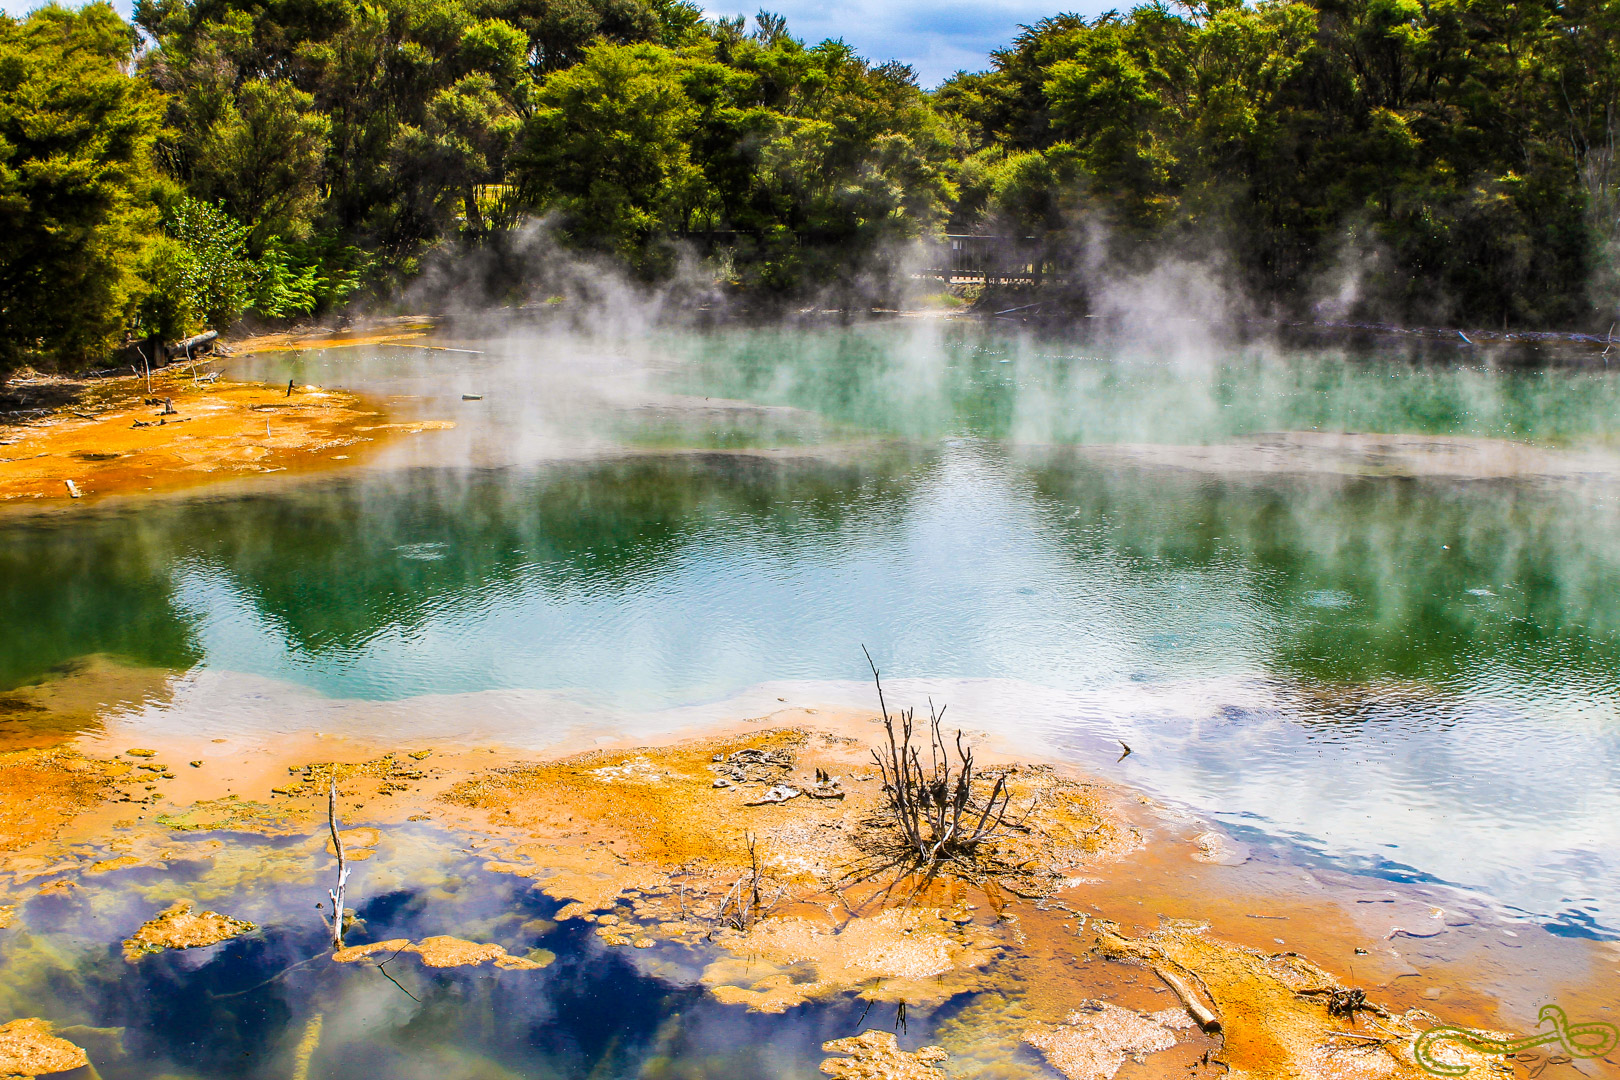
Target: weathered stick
754	899
429	348
1200	1012
337	894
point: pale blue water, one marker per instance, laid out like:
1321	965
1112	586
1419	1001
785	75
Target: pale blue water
1415	674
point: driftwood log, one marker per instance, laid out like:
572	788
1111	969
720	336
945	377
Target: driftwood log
1194	1004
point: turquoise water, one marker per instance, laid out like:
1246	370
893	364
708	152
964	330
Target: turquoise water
1397	658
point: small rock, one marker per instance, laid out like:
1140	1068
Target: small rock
1214	847
826	789
781	793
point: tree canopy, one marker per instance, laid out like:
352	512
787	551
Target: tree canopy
1406	159
1456	155
78	193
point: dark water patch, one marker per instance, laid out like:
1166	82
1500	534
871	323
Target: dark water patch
1578	923
241	1009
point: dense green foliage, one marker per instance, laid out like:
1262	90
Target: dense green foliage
77	188
797	164
1454	155
1404	159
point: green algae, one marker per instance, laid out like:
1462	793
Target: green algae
231	813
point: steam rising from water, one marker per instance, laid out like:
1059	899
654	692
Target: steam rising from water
1381	657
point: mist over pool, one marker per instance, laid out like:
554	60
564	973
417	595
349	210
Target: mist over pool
1360	610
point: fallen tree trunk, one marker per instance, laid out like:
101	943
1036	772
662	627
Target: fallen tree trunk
197	341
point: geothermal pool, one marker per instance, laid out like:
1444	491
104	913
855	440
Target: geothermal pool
1362	613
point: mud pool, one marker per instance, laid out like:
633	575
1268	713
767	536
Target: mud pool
1359	616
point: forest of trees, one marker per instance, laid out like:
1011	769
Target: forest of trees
1418	160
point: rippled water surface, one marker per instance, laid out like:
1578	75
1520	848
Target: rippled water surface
1396	650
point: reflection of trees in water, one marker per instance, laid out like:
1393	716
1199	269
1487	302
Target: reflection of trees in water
335	564
1327	578
91	584
1360	579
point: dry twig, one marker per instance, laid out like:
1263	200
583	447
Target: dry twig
933	806
747	905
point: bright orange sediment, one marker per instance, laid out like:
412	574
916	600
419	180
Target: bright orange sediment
47	788
113	441
653	850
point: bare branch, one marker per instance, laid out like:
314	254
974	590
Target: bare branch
336	894
927	805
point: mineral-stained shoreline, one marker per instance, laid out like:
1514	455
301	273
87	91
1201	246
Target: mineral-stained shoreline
117	436
1098	933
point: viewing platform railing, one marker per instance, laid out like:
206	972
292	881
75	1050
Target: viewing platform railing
968	259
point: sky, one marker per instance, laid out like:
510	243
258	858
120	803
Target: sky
936	37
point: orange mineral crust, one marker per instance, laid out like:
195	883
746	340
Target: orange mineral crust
116	436
1099	933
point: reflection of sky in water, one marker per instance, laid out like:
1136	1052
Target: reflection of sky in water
962	580
1518	801
1499	776
1394	672
241	1008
